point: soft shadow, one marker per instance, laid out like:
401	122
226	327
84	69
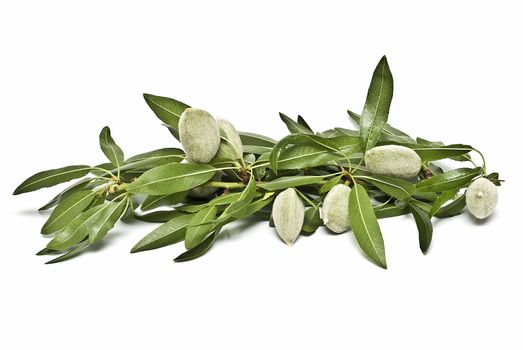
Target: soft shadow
32	212
480	222
111	236
241	228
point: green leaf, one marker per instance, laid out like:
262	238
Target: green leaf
158	216
52	177
300	139
494	177
256	206
154	158
453	208
390	210
226	198
326	187
252	139
152	202
424	227
172	178
303	123
106	220
169	233
256	149
388	130
249	210
365	225
45	251
168	110
346	132
291	181
376	110
67	210
311	220
450	180
311	155
442	199
236	208
110	148
93	223
430	153
199	250
192	208
197	230
78	186
81	246
294	127
397	188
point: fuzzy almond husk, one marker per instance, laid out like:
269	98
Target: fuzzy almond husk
481	198
199	135
288	213
335	209
232	147
393	160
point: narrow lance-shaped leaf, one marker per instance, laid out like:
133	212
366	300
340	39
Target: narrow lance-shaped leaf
306	156
397	188
226	198
168	110
376	110
169	233
171	178
245	198
111	150
290	181
52	177
390	210
78	186
152	202
67	210
303	123
159	216
75	251
387	129
199	250
365	225
424	227
450	180
300	139
442	199
106	220
85	224
295	127
453	208
326	187
430	153
154	158
252	139
311	220
198	228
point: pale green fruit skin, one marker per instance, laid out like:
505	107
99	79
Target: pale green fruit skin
335	209
481	198
232	149
206	191
199	135
288	213
393	160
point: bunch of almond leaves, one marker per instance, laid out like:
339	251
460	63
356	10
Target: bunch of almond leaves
310	162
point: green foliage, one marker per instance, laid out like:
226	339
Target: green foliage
155	186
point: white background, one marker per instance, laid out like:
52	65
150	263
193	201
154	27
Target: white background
69	69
